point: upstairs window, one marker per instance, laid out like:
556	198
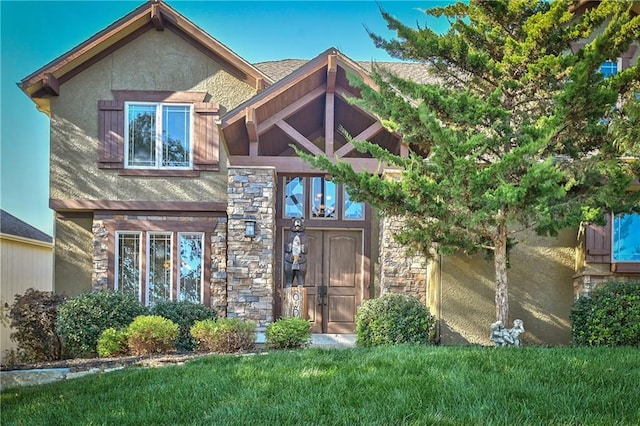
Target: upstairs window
626	238
158	136
609	68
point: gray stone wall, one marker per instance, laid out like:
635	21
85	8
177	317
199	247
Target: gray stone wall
251	261
400	271
218	278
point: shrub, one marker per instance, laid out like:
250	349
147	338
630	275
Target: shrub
149	334
225	335
288	333
393	319
81	319
112	342
33	316
185	314
608	316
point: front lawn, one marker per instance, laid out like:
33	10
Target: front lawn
386	386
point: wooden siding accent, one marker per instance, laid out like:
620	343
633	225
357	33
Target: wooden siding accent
111	205
329	123
598	242
156	17
296	165
110	134
158	96
332	73
158	172
252	131
364	135
290	109
299	138
51	85
206	149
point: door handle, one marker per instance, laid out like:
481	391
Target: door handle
322	295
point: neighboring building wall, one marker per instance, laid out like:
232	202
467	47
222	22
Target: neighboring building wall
24	264
251	261
540	292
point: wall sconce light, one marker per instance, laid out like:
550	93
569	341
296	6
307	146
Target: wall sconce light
250	227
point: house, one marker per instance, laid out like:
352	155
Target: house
27	262
203	213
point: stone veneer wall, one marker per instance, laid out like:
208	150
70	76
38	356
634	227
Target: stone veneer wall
251	261
400	272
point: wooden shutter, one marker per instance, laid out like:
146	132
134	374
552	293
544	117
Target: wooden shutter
598	242
110	134
206	146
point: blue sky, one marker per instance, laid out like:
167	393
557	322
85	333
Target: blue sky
33	33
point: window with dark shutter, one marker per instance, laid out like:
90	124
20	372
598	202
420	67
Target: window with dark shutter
112	127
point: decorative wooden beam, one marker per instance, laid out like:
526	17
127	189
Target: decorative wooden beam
363	136
298	166
50	84
290	110
404	149
156	17
252	131
299	138
329	123
260	84
332	72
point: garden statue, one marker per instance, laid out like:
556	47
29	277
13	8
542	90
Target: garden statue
502	336
295	259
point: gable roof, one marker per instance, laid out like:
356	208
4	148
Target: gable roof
11	225
152	15
309	107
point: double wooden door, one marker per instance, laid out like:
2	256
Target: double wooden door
334	279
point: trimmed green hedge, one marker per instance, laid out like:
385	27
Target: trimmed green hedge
608	316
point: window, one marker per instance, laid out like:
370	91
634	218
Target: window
163	266
323	202
294	197
353	210
626	238
158	136
609	68
128	275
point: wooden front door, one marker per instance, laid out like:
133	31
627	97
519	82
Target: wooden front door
334	280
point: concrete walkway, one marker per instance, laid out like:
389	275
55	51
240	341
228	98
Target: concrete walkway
333	340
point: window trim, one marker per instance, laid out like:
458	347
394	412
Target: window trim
159	143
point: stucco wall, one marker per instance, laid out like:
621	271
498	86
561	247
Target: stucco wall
73	256
540	292
154	61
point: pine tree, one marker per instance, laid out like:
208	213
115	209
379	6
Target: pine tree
520	129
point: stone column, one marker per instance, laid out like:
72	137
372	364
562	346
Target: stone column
251	194
99	278
400	272
218	279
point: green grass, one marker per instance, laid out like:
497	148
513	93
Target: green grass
385	386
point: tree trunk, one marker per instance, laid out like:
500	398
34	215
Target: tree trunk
500	265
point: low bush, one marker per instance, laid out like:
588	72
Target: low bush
288	333
112	342
608	316
185	314
151	334
83	318
227	335
393	319
33	316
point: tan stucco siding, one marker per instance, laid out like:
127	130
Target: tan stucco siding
73	256
154	61
540	292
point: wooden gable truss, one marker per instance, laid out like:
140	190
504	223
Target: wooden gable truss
309	108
